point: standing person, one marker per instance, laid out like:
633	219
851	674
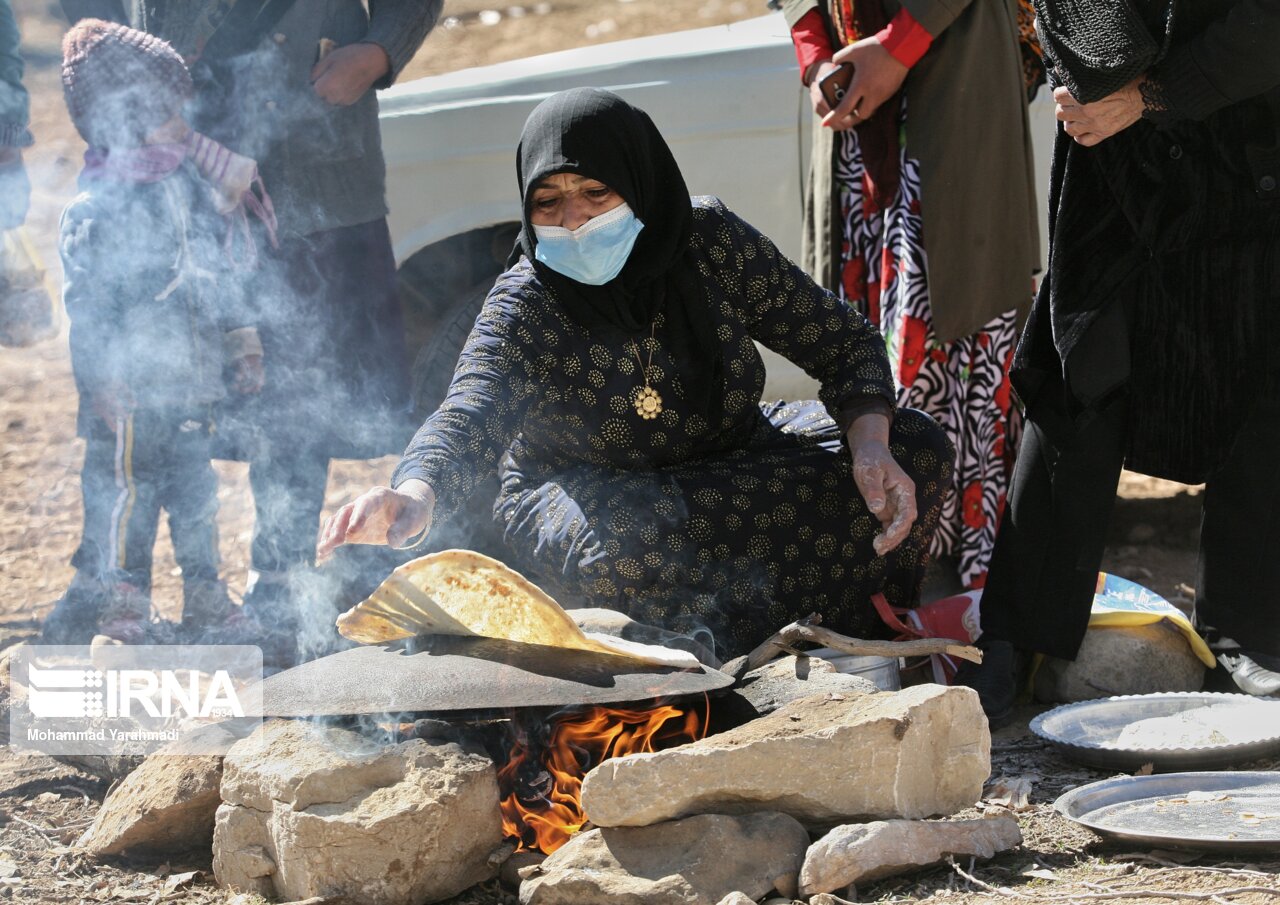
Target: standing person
15	187
920	210
155	321
1151	343
291	84
612	382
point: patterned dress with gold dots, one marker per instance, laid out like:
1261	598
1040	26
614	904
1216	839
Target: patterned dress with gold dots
738	527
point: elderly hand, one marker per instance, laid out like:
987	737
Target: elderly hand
877	76
1092	124
345	74
380	516
889	493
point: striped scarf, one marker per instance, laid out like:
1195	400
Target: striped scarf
235	186
879	135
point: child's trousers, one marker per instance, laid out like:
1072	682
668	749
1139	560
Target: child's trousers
155	459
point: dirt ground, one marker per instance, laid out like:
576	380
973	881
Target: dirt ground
43	805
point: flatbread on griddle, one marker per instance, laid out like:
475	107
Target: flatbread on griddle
460	592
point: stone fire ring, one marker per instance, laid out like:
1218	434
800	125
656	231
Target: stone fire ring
443	673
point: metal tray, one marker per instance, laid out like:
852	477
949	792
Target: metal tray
1088	732
1156	810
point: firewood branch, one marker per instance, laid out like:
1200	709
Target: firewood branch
808	629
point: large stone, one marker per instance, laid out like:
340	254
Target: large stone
309	811
696	861
166	805
787	679
1122	660
825	761
863	852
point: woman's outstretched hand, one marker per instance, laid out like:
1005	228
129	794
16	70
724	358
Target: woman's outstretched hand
380	516
889	493
1092	124
877	76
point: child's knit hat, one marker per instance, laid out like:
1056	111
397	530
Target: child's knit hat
120	83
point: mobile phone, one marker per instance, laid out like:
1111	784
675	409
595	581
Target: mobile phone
835	83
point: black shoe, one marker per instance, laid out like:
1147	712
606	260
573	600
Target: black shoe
995	679
74	618
1217	642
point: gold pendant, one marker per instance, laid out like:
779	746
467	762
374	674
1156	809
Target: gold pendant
648	403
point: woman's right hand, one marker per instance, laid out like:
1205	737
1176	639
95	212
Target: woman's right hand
380	516
877	76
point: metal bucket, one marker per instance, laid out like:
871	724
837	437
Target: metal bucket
880	671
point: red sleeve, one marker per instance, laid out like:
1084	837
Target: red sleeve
809	35
904	38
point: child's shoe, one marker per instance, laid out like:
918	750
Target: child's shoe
209	616
74	618
206	606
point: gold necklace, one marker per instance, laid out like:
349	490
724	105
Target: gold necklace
647	401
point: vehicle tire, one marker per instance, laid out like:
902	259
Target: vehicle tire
433	367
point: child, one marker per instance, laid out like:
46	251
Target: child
157	316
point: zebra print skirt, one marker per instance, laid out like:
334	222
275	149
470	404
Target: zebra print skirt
963	385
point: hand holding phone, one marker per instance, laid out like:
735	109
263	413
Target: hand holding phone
835	83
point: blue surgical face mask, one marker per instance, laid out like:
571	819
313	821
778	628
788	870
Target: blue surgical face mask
595	252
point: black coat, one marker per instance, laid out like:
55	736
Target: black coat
1175	221
1149	342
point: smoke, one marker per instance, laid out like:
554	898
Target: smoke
152	290
330	348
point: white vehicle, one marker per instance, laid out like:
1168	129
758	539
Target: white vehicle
728	100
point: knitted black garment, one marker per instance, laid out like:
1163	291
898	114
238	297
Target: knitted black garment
1096	47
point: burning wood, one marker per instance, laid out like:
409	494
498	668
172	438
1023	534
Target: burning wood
541	781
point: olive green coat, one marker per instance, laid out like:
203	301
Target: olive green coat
967	126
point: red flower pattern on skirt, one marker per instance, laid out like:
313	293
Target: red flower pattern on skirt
975	516
914	333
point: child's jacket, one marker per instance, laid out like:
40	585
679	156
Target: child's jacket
154	301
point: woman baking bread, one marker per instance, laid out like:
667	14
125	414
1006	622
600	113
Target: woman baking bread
612	381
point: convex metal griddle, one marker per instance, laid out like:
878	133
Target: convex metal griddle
445	673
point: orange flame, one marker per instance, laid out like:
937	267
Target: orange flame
542	784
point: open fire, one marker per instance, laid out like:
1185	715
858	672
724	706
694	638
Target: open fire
541	782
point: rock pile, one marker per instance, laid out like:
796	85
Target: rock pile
723	821
822	792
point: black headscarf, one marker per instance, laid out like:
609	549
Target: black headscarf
595	133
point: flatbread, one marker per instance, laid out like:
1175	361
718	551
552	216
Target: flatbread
461	592
1223	724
